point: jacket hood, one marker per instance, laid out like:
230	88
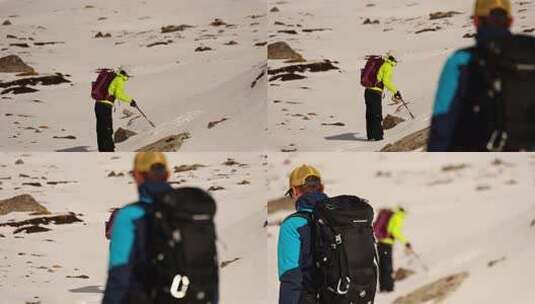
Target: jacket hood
147	190
308	201
123	77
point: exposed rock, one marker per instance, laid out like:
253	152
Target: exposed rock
287	77
435	292
158	43
482	188
21	203
218	22
19	90
369	21
21	45
122	134
6	22
390	121
314	67
263	43
8	36
469	35
494	262
430	29
290	32
336	124
274	9
244	182
203	49
170	143
402	273
441	15
316	30
184	168
19	162
82	276
62	219
31	229
32	184
55	79
212	124
231	42
449	168
215	188
233	162
411	142
102	35
175	28
281	50
226	263
64	137
530	30
13	64
253	84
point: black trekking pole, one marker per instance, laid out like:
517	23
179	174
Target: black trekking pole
145	116
404	105
417	256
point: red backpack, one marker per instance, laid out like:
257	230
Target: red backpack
99	87
368	75
109	223
380	226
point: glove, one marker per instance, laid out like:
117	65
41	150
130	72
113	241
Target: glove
133	103
398	95
408	246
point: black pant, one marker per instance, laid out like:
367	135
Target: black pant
386	280
104	127
374	114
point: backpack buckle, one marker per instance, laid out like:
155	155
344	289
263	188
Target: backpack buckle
179	287
338	239
496	144
342	290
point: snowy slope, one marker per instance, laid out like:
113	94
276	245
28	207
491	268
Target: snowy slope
82	248
336	96
453	226
180	89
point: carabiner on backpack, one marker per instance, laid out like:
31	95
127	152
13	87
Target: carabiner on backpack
496	144
179	287
345	289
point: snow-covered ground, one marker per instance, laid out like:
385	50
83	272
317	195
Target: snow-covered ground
295	121
458	219
27	268
180	89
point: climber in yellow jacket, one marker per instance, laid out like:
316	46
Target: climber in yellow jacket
103	111
385	246
374	98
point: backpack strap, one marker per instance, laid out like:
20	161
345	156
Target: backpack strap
487	62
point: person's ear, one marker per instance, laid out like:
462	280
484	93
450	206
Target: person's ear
139	178
166	175
295	192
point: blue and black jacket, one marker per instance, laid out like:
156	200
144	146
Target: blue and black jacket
451	127
128	246
295	257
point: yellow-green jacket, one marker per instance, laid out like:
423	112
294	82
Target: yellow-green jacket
384	76
395	228
116	89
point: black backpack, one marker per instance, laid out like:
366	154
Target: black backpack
344	250
183	264
499	114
